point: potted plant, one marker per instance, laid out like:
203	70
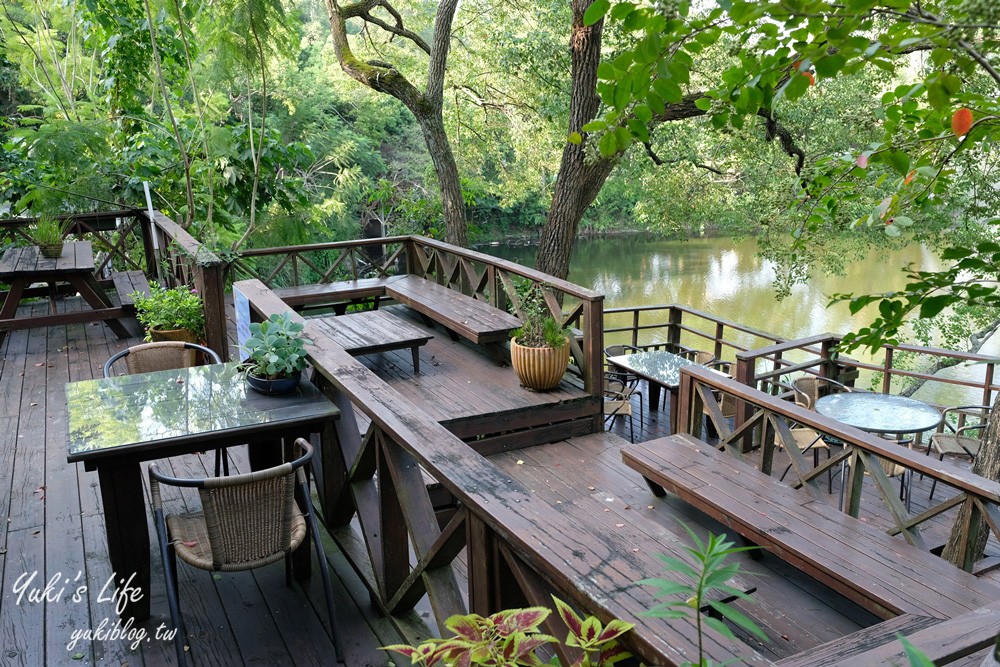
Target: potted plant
170	314
539	350
277	355
48	234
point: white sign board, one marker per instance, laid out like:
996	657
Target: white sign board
242	305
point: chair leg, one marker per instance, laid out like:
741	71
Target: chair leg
934	481
221	462
169	558
631	428
324	569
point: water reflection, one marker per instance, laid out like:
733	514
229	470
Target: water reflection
728	279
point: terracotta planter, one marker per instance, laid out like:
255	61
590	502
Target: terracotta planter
159	335
539	368
51	250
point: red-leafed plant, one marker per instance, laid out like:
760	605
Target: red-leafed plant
511	638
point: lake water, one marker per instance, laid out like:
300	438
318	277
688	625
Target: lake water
726	278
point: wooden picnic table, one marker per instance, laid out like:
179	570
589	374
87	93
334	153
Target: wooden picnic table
21	267
372	331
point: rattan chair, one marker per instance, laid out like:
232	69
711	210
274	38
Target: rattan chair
165	356
247	521
618	401
808	389
959	437
162	356
630	380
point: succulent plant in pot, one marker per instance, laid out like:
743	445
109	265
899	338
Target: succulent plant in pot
276	354
539	350
48	234
170	314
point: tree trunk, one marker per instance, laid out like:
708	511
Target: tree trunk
432	127
426	106
580	176
987	465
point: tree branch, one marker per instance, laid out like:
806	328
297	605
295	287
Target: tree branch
397	29
773	130
659	162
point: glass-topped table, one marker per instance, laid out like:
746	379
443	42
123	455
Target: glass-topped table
660	369
115	423
879	413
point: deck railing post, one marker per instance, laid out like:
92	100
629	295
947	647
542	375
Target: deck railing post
635	327
675	318
593	351
395	552
887	370
213	296
482	558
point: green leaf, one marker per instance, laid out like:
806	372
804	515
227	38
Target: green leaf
643	113
574	138
621	10
596	11
594	126
828	66
668	90
898	160
606	71
932	305
703	103
607	145
638	129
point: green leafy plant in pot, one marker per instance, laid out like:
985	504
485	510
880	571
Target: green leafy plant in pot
277	354
539	350
48	234
170	314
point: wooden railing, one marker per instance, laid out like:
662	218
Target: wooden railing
672	325
512	539
472	273
817	355
767	425
762	357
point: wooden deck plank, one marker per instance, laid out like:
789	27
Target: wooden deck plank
65	531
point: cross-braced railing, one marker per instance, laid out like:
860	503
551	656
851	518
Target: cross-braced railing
765	426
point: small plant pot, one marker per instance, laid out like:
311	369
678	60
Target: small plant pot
274	387
539	368
160	335
51	250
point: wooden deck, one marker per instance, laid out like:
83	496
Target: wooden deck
55	521
54	526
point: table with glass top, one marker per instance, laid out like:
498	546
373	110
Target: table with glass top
879	413
660	369
116	423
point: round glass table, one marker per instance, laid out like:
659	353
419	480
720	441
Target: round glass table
879	413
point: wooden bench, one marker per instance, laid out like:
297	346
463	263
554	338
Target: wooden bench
882	574
461	315
127	282
337	294
943	641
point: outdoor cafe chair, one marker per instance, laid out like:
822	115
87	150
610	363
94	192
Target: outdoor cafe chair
161	356
247	521
618	400
165	356
808	389
960	438
630	380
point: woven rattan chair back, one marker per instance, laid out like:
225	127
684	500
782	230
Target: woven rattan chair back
160	356
249	518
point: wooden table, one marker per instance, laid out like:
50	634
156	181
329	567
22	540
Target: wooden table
115	423
660	369
22	266
373	331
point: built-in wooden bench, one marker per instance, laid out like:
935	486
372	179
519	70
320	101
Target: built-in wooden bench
462	315
881	573
943	641
127	282
336	294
